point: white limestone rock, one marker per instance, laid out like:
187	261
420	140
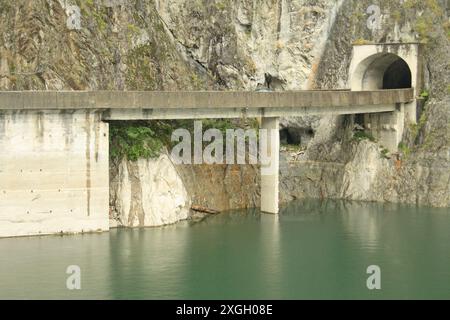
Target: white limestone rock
148	193
362	174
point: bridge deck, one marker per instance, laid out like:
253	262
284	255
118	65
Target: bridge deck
186	104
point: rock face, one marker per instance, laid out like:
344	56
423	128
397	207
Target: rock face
363	172
238	41
222	187
147	193
155	192
370	176
121	45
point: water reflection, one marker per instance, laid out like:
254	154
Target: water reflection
313	249
271	259
152	260
36	267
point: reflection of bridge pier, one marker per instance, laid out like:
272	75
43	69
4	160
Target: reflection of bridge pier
54	161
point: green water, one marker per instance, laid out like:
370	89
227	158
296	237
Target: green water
312	250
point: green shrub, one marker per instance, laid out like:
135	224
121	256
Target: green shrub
146	139
133	141
361	135
425	94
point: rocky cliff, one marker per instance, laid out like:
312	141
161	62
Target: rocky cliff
225	44
119	45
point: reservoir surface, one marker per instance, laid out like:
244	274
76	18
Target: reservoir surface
312	250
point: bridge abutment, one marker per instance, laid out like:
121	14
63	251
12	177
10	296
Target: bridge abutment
54	172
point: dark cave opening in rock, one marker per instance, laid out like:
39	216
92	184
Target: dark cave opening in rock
397	76
284	137
359	121
296	136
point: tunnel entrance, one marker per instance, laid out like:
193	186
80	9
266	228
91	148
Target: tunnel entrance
397	76
382	71
386	66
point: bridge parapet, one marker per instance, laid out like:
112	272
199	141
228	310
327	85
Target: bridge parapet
60	100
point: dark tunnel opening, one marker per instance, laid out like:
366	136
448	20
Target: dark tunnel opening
397	76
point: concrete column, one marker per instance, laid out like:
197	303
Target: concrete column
270	170
388	127
410	111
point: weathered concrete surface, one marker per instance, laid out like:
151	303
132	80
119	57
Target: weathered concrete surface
49	100
230	113
370	62
148	193
53	172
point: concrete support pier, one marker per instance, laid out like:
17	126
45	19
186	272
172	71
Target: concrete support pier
387	128
270	171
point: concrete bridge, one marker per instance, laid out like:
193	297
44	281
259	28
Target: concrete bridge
54	148
138	105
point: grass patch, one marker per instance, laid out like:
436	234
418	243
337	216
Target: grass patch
425	94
